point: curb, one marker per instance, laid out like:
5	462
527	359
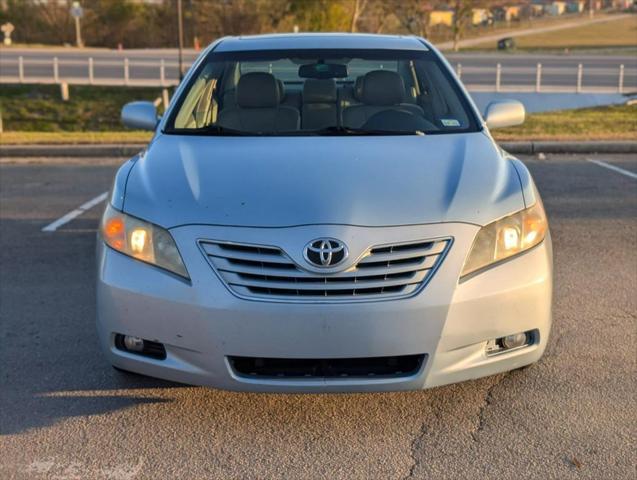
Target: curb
103	150
130	150
531	148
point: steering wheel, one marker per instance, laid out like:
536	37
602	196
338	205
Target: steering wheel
398	119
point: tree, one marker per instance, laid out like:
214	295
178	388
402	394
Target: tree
463	15
215	18
413	15
123	26
359	7
54	20
462	12
321	15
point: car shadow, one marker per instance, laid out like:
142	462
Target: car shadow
40	411
51	366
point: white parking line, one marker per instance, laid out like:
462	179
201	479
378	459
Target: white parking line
613	168
52	227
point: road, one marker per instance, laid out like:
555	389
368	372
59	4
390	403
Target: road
599	70
524	32
65	413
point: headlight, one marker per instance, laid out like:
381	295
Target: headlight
141	240
507	237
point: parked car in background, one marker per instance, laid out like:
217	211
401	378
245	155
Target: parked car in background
321	213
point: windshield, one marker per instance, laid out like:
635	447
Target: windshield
321	92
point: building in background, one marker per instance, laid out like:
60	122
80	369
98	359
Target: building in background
536	9
507	13
481	16
622	4
555	8
575	7
441	17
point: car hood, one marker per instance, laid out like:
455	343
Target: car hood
289	181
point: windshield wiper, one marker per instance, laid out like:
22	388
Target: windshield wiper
343	131
218	130
210	130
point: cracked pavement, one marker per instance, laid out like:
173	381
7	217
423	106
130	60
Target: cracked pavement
64	413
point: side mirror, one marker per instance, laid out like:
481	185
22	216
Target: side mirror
504	113
140	115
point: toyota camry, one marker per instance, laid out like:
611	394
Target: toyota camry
321	213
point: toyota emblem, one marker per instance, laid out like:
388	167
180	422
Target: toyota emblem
325	252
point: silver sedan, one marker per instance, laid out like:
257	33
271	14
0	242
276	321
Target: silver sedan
323	213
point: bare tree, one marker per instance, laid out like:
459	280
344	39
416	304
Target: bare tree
461	14
56	19
122	26
359	7
373	16
413	15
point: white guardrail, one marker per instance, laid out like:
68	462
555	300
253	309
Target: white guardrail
88	76
539	72
84	73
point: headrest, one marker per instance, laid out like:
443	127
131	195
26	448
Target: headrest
358	88
257	90
281	90
382	87
319	91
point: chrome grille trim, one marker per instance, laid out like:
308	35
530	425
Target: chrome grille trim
268	273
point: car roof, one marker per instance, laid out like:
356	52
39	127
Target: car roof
296	41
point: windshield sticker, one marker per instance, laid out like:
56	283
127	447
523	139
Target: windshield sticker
450	122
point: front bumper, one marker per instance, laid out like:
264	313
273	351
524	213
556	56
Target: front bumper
201	323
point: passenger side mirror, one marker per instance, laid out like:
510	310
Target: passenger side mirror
140	115
504	113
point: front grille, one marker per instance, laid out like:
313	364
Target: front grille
380	367
268	273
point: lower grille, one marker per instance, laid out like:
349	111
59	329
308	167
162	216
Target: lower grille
268	272
384	367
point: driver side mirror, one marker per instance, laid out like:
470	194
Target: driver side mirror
140	115
504	113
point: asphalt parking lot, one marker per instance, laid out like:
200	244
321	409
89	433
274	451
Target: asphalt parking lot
65	413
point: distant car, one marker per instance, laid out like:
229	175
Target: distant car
507	43
322	213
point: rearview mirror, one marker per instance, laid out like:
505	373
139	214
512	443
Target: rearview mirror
322	70
504	113
140	115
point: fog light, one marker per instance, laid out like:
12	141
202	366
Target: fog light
514	341
134	344
496	346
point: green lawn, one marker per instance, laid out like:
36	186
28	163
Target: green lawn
600	123
49	138
35	114
39	108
